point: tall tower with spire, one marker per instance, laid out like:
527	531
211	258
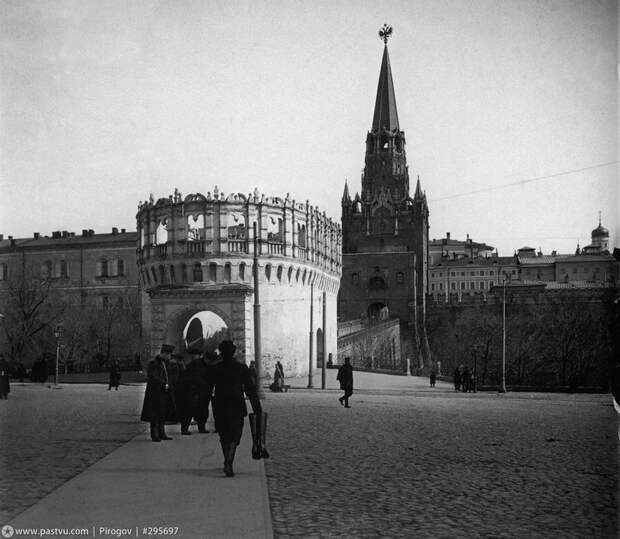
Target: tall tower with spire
385	230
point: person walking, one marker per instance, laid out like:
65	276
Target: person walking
5	386
156	394
229	380
115	375
193	393
345	377
433	378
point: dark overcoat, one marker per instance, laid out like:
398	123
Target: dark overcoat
156	394
231	380
192	391
345	377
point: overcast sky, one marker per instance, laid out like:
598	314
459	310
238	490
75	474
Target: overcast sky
510	109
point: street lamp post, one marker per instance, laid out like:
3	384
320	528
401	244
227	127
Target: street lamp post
502	388
58	335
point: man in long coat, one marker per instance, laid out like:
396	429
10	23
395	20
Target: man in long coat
231	379
156	394
345	377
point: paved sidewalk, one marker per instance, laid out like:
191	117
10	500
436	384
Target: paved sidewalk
177	484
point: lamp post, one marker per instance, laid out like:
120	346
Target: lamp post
502	387
257	325
58	335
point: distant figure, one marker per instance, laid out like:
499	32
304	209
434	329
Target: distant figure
5	386
433	378
156	394
115	375
137	363
193	392
457	378
230	379
466	380
278	378
253	373
345	377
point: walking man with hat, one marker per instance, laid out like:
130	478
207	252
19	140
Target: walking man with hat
156	394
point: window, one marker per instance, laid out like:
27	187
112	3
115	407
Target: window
242	272
432	275
4	272
197	273
432	287
162	274
227	273
400	277
440	286
453	286
481	272
183	273
213	272
481	285
173	278
440	274
472	285
102	267
453	274
355	278
462	274
491	273
462	286
60	269
116	267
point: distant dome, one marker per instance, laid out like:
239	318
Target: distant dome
600	231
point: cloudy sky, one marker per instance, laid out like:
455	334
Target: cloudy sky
510	109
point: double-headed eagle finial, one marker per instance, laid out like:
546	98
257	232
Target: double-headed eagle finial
385	33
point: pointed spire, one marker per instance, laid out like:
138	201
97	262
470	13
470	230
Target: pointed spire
385	105
418	191
345	195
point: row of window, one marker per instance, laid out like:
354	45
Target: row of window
376	281
59	269
482	285
471	273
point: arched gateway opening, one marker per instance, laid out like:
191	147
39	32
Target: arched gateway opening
206	325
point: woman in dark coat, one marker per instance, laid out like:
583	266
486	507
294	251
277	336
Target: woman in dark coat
231	380
156	394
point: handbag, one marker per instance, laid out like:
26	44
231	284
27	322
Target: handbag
258	426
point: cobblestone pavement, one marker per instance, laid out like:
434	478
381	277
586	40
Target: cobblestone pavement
442	464
49	435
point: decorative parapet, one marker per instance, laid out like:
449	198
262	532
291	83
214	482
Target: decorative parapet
199	229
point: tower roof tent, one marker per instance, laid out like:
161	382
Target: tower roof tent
385	116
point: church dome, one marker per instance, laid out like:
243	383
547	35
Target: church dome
600	231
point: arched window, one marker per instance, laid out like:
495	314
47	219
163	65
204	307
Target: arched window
183	273
301	236
161	236
290	274
227	273
213	272
197	273
242	272
268	272
280	274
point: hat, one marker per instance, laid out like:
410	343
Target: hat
227	346
166	349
